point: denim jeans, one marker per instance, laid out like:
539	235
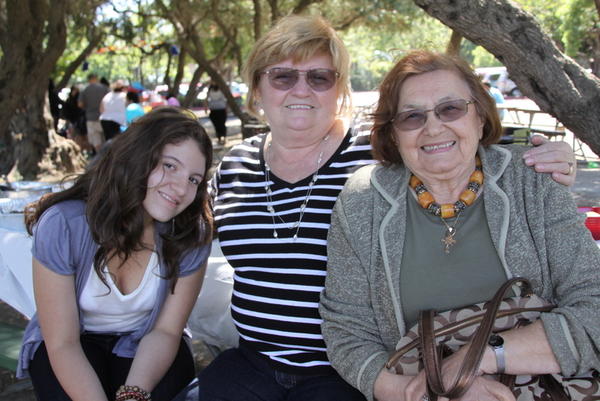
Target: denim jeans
240	374
112	370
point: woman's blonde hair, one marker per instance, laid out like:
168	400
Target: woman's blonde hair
298	37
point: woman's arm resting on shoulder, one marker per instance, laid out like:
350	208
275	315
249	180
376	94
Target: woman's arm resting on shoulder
59	321
552	157
158	348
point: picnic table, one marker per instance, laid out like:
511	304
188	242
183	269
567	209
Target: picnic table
525	118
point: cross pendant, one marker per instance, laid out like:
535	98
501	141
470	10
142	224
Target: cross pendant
448	241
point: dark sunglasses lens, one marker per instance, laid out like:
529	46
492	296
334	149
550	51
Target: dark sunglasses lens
452	110
282	78
321	79
411	119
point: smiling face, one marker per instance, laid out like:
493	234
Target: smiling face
300	109
438	150
173	184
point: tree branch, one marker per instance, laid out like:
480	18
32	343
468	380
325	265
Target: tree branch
554	81
303	5
73	65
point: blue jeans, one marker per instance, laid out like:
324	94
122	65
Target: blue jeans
242	375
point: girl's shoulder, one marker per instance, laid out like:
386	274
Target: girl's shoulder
70	209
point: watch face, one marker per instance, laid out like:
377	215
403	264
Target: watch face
496	340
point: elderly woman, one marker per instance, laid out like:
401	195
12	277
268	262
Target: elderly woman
442	222
273	199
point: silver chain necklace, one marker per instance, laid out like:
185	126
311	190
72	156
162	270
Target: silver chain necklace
271	209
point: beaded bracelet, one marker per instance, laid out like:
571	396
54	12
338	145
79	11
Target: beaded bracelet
126	392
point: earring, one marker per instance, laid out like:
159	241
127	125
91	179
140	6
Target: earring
173	226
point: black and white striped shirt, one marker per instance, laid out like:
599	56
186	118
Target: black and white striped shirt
278	281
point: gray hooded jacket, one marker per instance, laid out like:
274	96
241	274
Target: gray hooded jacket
536	231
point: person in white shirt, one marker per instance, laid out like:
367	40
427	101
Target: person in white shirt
112	110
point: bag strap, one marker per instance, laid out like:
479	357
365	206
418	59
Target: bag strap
553	388
468	370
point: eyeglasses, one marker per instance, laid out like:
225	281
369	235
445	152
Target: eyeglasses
445	111
319	79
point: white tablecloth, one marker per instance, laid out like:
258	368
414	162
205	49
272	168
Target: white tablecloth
15	271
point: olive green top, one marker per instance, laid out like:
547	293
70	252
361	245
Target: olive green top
429	277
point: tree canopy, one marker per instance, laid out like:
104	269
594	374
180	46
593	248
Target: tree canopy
181	43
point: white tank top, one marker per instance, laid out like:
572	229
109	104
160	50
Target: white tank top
114	312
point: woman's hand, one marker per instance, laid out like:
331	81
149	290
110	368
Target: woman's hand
450	368
390	387
482	389
487	389
552	157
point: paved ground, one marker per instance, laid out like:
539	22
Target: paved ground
586	192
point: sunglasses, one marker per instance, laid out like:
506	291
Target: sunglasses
319	79
446	111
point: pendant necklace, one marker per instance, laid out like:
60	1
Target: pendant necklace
449	210
271	209
448	239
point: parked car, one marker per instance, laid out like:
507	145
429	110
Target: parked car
498	77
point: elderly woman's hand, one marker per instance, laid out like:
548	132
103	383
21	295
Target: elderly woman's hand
483	387
552	157
487	389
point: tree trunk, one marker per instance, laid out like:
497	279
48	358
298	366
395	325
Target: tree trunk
554	81
454	43
193	88
35	40
38	151
257	19
180	70
167	78
197	52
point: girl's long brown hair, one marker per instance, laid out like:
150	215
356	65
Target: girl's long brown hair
115	186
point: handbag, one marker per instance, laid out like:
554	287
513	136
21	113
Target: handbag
438	335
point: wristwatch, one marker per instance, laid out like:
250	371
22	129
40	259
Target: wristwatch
497	344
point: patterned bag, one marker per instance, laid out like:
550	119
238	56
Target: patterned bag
440	335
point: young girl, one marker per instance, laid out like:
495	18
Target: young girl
118	261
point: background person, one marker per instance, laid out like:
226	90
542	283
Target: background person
217	104
172	99
114	290
55	105
497	96
112	111
90	100
75	117
441	224
134	109
273	196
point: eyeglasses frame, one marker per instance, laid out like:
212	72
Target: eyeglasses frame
300	72
467	103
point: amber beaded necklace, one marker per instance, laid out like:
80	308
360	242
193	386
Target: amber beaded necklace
449	210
